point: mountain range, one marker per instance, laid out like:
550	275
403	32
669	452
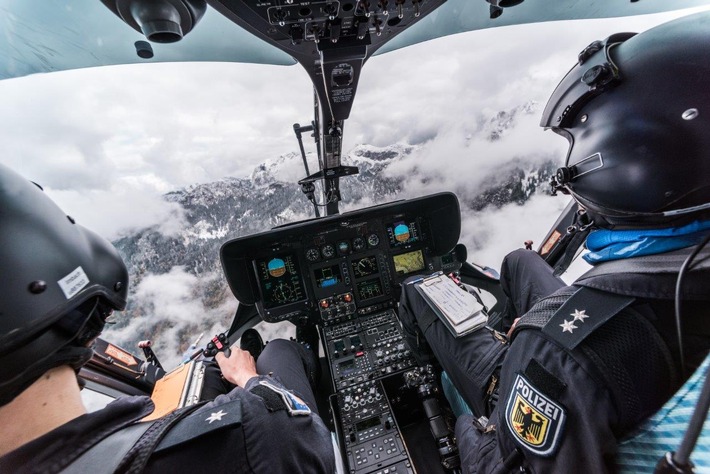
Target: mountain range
177	286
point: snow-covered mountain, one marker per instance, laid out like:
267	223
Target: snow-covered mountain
177	288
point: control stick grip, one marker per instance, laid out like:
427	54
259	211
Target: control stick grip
219	343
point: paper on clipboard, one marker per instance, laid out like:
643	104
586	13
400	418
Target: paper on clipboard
458	309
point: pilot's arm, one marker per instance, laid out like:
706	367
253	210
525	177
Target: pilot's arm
554	415
258	427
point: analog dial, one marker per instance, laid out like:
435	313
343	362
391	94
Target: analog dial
328	251
373	240
358	243
312	255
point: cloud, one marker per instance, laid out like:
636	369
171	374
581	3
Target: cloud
431	87
126	129
491	234
118	210
172	307
129	129
458	161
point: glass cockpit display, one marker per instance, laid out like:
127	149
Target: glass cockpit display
409	262
280	280
363	267
327	276
402	233
368	289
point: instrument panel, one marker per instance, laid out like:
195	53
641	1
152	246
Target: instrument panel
343	273
339	267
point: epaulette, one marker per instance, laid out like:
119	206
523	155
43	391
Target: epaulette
581	314
202	422
581	310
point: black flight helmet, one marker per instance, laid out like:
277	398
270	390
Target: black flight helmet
58	284
636	112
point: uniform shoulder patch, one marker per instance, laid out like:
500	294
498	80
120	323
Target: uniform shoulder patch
294	405
535	421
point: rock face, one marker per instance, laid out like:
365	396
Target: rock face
175	276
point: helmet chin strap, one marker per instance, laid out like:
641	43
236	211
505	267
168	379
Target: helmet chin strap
73	356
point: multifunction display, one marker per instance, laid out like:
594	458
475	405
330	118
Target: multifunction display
327	276
279	280
409	262
369	289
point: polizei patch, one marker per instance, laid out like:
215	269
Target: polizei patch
535	421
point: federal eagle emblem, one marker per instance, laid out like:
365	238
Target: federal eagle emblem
530	424
535	420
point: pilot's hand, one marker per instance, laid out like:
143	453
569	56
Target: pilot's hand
238	368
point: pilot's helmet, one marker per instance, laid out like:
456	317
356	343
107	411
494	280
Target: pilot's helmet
636	112
58	284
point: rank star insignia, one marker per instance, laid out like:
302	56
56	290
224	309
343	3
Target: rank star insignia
579	315
216	416
568	326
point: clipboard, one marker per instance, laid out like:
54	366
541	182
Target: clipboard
458	309
179	388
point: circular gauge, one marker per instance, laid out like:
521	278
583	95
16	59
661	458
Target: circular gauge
283	293
344	247
373	240
312	255
276	267
401	233
366	266
328	251
358	243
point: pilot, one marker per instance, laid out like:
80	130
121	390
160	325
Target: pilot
60	282
587	363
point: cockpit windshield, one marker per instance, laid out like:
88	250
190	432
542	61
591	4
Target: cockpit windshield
40	36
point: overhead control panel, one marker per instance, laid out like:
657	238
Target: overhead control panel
331	39
339	268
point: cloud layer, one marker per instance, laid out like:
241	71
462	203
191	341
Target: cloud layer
103	140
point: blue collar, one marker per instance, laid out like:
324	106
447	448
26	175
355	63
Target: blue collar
607	245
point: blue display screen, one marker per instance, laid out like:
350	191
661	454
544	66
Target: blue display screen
328	276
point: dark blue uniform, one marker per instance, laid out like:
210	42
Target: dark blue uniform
556	408
245	431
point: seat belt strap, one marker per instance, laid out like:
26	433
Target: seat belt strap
109	452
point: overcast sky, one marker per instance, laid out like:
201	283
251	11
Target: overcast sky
106	143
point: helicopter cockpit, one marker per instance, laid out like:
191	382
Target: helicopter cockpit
340	274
